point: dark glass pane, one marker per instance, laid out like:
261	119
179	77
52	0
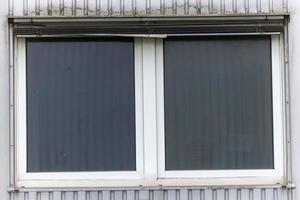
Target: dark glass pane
218	103
80	105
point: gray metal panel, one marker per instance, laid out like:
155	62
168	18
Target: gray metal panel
144	7
86	125
5	104
172	194
218	111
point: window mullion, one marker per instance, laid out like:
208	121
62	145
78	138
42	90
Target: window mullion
149	100
160	106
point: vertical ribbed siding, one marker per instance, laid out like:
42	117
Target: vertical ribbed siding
144	7
182	194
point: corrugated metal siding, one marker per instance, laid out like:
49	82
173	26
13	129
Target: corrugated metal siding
144	7
195	194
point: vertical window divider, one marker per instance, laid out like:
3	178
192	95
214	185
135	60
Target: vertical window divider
160	106
149	101
138	57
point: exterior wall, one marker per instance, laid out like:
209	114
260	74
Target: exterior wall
147	8
294	28
183	194
4	102
144	7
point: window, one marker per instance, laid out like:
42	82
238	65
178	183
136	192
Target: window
79	109
222	107
143	111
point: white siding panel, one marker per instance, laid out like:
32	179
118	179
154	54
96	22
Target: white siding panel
54	195
144	7
44	196
220	194
208	195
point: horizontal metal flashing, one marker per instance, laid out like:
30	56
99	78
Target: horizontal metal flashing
147	25
49	189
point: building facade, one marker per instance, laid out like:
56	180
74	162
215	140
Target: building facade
251	149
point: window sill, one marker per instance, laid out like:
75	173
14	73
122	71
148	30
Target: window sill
91	189
239	182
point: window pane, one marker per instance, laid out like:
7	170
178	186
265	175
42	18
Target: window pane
80	105
218	103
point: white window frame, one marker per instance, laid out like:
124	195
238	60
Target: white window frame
278	128
150	155
25	178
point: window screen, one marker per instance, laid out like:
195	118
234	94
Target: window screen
80	105
218	103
